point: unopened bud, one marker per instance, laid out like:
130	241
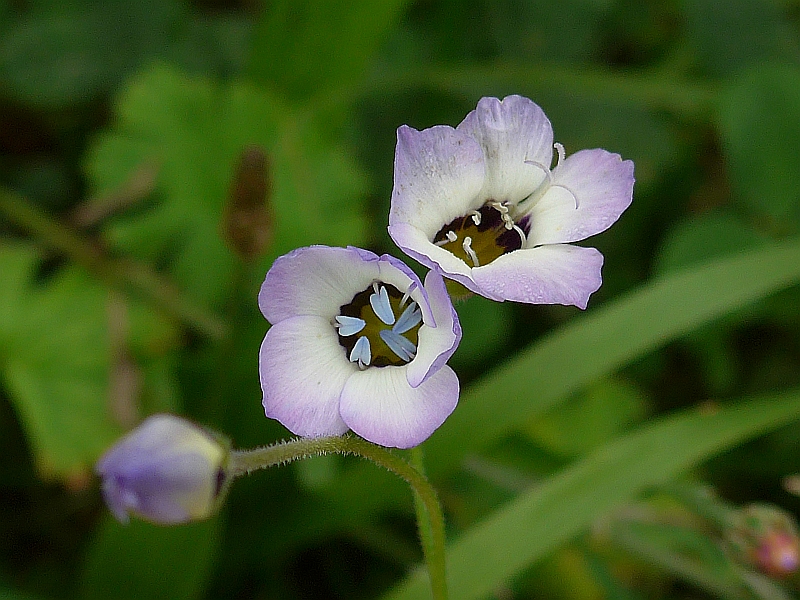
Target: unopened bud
766	537
247	220
167	471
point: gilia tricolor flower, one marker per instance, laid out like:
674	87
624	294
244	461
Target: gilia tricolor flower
167	471
357	342
481	204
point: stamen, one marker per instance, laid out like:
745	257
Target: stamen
521	233
349	325
450	236
476	217
505	216
408	293
467	246
574	197
409	319
538	165
361	353
561	152
379	301
402	347
499	207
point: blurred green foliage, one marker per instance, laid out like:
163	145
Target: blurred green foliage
123	122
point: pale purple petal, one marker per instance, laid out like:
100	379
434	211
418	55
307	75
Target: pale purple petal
517	142
398	274
436	344
303	370
590	191
555	274
414	243
437	175
380	406
316	280
166	471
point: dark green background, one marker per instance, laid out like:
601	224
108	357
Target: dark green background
97	97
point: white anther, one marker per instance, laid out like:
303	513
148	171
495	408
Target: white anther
561	153
500	207
476	217
467	246
450	236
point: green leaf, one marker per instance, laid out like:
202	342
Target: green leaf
594	417
62	55
759	119
196	130
303	47
737	34
536	522
486	326
704	237
602	341
141	560
55	360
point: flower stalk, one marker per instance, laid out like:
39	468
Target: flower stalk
123	274
429	511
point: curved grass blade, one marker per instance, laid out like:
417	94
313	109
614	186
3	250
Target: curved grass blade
538	521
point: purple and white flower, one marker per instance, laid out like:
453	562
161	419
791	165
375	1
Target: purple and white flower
167	471
357	342
481	204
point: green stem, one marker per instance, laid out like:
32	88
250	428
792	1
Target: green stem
125	275
431	528
247	461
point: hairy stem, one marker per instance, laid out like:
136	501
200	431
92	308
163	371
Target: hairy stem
429	512
126	275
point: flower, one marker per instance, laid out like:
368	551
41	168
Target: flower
357	342
765	536
167	471
481	204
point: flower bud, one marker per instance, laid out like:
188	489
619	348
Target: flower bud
766	537
167	471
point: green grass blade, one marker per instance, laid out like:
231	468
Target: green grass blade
604	340
538	521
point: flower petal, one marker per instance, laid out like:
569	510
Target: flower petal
590	191
556	274
316	280
380	406
166	471
517	142
437	175
413	242
303	369
436	344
